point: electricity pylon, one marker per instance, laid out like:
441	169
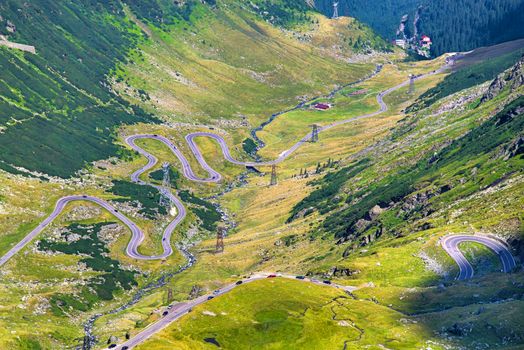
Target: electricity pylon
165	201
219	248
335	9
314	132
274	179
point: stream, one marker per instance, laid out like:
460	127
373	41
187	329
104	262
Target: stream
89	338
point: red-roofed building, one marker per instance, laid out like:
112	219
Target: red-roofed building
425	41
322	106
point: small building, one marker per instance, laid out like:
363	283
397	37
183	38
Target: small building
401	43
425	41
322	106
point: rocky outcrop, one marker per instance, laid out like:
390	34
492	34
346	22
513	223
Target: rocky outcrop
460	329
515	148
195	292
513	78
10	27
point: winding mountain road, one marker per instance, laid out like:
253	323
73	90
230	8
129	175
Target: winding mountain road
451	245
137	236
260	143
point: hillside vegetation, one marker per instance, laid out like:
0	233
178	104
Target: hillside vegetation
374	223
56	111
382	204
453	25
59	112
107	69
365	206
229	68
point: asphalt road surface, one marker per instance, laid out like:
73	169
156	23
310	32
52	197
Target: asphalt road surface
451	245
213	176
175	311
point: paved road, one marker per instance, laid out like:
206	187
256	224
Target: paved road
285	154
260	143
213	176
175	311
137	234
451	245
186	167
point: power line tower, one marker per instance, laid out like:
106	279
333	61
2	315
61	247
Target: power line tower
165	201
220	239
169	295
335	9
411	84
274	179
314	132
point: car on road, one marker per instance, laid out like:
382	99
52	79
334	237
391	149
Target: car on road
326	282
210	297
84	196
111	346
238	283
300	277
165	313
271	276
216	292
125	347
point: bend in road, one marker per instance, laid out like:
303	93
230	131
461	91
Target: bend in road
451	245
137	235
214	176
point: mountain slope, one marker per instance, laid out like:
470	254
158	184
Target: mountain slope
56	110
423	174
381	15
454	167
453	25
228	67
59	112
364	206
103	71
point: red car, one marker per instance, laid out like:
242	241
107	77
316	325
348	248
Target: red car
271	276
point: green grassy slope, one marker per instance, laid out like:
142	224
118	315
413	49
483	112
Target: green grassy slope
228	67
455	166
453	25
432	172
303	316
68	115
56	110
371	217
483	70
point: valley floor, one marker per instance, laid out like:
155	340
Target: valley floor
450	167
